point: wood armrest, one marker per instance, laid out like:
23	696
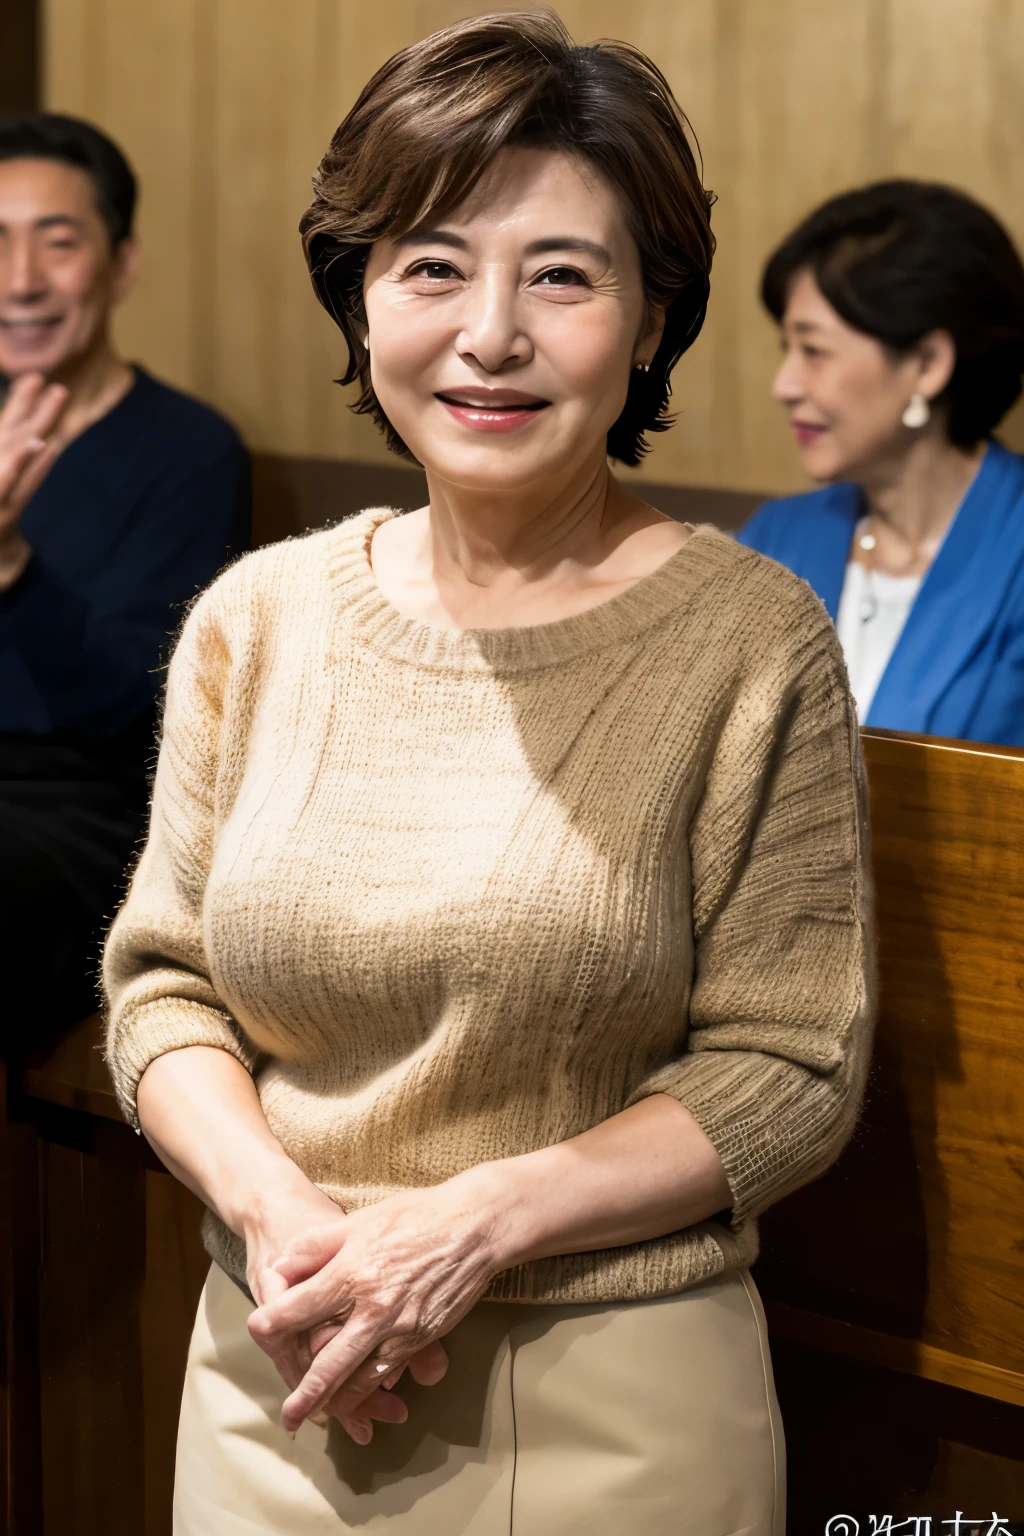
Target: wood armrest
71	1072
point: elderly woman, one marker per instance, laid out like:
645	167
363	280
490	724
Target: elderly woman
902	315
499	949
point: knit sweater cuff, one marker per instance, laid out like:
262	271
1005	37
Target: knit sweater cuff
169	1024
775	1124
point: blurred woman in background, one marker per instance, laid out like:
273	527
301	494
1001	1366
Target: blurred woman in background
902	314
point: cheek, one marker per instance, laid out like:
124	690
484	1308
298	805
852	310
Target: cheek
84	281
858	394
405	345
587	351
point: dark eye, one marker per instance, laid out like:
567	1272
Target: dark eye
439	271
561	277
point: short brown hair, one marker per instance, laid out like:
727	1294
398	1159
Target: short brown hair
433	119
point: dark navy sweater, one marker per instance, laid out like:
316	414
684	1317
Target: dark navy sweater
137	515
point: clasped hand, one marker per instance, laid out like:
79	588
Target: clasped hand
345	1304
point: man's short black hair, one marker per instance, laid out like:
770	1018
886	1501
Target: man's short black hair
51	136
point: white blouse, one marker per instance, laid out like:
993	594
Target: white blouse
873	609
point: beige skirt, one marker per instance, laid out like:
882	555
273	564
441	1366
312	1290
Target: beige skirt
653	1418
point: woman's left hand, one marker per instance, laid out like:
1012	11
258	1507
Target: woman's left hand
406	1272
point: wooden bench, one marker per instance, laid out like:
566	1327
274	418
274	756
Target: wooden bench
894	1286
102	1270
910	1252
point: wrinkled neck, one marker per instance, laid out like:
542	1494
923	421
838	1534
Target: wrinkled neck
481	536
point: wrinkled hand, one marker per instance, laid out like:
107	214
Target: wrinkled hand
30	413
373	1295
289	1241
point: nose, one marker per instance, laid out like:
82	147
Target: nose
24	275
788	384
492	335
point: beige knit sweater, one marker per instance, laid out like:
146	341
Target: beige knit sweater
455	896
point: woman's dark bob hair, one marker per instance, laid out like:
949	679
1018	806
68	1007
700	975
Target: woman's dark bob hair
430	123
902	258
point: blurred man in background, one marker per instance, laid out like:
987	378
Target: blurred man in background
119	499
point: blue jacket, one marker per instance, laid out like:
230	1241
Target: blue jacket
958	667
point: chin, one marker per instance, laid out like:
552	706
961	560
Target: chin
488	479
47	362
823	465
493	467
11	367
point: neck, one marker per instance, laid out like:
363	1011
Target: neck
916	494
95	382
481	536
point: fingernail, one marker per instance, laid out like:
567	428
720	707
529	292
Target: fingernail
361	1433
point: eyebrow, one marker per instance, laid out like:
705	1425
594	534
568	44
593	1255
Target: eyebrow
53	221
535	248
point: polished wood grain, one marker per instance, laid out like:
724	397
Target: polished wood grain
71	1072
122	1268
21	1501
910	1252
226	107
101	1267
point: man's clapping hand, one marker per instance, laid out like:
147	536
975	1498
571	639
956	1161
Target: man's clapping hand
27	452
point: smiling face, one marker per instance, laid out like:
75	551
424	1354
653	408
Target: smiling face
59	277
845	393
502	337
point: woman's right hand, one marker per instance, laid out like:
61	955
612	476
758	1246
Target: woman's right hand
302	1228
200	1111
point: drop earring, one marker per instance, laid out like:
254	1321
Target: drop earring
643	367
917	412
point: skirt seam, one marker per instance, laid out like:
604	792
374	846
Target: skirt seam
753	1296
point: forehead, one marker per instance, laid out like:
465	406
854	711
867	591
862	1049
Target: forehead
528	188
32	189
807	306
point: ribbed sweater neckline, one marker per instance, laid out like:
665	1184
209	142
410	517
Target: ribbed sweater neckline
376	623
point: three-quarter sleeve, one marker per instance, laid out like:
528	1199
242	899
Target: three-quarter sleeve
156	980
782	1004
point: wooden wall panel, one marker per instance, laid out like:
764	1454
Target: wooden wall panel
226	105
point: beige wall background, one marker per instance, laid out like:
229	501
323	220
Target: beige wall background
225	106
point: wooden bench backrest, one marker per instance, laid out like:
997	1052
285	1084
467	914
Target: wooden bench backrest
910	1252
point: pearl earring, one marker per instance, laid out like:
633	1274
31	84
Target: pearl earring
917	412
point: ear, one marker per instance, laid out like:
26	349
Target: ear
649	340
936	359
127	261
